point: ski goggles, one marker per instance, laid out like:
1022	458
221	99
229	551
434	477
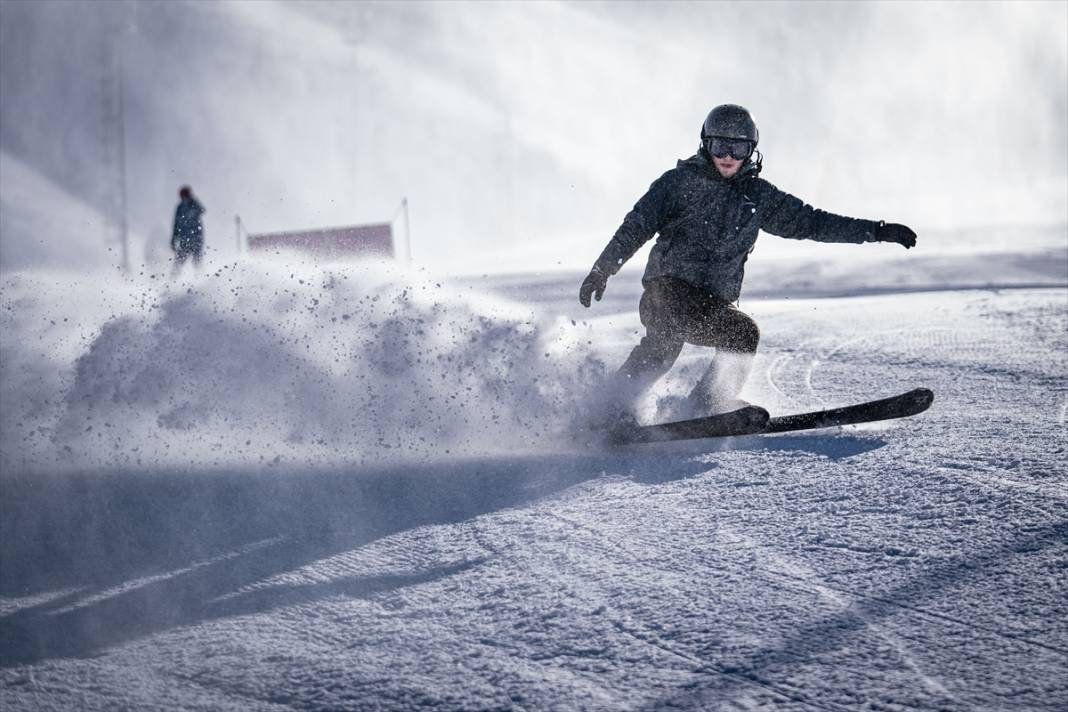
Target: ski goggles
737	148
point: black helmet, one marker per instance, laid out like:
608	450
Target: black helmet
730	121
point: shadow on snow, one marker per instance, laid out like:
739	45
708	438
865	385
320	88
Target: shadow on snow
140	553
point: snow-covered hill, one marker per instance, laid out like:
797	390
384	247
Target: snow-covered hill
40	223
280	487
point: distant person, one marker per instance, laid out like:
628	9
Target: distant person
707	211
187	238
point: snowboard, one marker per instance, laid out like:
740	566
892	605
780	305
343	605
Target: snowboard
904	405
754	420
745	421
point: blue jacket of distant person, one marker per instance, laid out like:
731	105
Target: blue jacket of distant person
188	234
708	225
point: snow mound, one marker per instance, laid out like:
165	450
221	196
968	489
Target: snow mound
262	362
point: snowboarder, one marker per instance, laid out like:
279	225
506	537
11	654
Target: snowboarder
707	211
187	238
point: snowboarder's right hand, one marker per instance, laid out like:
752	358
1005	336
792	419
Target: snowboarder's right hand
593	285
893	232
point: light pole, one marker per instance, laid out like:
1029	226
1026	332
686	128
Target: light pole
119	24
124	222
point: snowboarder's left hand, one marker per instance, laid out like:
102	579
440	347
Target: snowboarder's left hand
894	232
593	285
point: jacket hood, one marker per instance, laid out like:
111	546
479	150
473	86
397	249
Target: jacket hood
702	163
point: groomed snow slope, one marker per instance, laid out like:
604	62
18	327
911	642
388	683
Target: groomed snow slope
216	496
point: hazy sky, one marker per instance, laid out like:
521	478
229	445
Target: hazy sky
522	132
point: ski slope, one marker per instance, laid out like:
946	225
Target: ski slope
294	487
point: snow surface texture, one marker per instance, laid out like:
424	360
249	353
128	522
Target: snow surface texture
326	488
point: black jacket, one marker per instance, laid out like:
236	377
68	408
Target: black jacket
708	225
188	230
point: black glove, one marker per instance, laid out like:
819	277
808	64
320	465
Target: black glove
893	232
594	285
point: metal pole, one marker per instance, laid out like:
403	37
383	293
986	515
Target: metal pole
122	160
407	231
237	232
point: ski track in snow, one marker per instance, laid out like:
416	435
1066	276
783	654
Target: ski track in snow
906	565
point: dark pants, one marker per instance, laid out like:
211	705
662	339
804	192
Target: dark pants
675	313
185	251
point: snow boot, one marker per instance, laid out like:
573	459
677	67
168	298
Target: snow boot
717	390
